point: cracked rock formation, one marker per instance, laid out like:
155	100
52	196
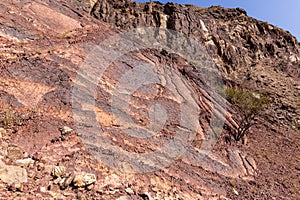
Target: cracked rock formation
234	39
61	124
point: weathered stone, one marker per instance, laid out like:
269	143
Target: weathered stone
25	162
12	174
66	130
43	189
3	132
83	179
56	21
129	191
112	181
14	153
234	39
57	180
235	191
58	171
68	181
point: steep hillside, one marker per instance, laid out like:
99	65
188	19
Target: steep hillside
250	52
92	110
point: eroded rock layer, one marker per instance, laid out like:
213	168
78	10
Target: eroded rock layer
44	154
251	52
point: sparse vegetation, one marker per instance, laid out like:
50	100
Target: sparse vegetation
8	118
248	105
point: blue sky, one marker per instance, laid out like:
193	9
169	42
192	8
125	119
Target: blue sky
282	13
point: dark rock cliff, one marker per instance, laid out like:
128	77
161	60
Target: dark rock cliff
238	39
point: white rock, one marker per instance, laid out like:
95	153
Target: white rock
26	155
112	191
129	191
66	130
57	180
293	58
163	20
112	181
12	174
203	27
43	189
3	132
84	179
25	162
53	194
257	96
235	191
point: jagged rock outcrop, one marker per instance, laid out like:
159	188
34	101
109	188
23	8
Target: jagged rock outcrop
45	44
247	49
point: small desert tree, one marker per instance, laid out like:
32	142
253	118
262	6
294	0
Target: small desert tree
248	105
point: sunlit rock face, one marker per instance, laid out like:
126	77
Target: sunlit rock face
247	49
45	45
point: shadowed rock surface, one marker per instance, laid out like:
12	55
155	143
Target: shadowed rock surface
45	44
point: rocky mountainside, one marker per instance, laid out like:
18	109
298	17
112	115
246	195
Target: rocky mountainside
61	114
250	52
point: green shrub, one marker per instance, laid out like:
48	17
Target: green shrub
248	105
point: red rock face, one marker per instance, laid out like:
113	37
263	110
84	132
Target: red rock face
90	111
